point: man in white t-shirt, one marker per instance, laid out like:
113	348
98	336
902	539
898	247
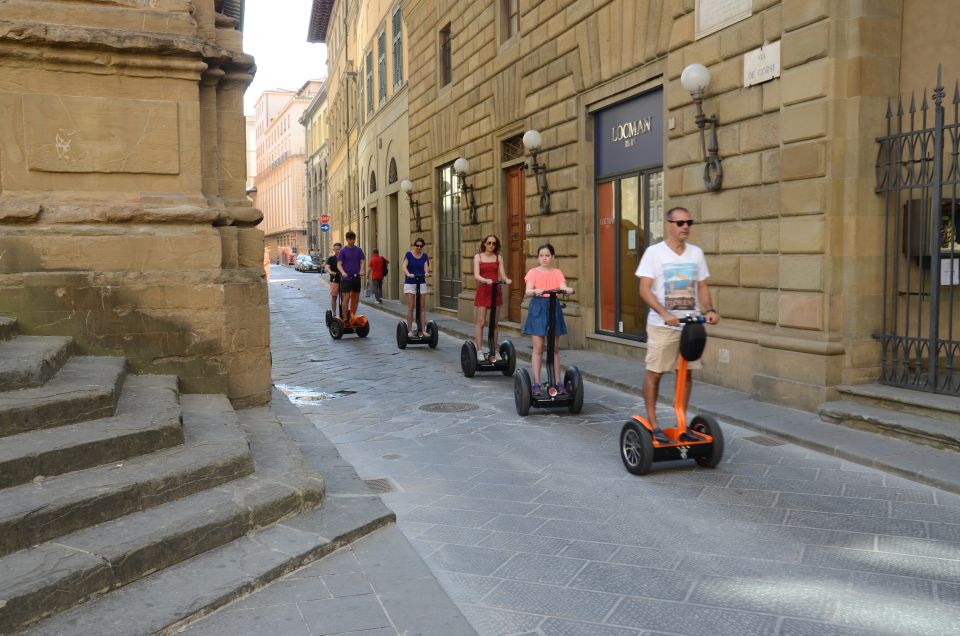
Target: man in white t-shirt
673	282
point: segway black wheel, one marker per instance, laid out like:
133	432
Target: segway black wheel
336	329
468	358
402	334
521	391
509	353
636	448
709	426
329	317
573	383
363	330
433	334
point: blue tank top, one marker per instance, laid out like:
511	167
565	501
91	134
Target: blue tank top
415	266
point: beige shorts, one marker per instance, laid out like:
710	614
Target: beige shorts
411	288
663	349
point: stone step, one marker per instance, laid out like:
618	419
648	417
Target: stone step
87	388
8	327
215	451
192	551
32	360
913	428
933	405
147	420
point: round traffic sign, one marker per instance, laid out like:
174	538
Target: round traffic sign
324	227
324	218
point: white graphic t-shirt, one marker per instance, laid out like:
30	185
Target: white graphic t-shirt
675	279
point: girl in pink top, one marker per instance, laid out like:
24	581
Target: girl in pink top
544	277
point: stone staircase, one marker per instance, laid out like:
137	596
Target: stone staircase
110	483
922	418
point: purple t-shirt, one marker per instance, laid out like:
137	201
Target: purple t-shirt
351	259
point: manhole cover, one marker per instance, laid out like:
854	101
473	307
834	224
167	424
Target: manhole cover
380	486
448	407
764	440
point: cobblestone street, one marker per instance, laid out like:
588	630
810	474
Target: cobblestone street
533	526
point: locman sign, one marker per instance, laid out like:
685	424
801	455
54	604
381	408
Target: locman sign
628	132
629	135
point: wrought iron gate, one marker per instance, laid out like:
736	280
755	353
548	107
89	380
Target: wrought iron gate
918	172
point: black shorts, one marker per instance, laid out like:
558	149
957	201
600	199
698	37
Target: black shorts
351	284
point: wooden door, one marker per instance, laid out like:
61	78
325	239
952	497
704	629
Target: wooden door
516	228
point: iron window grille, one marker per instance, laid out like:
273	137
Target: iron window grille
382	65
446	55
397	48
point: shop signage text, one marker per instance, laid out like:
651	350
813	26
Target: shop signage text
629	131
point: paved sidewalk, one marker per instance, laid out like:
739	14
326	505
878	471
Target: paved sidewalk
939	468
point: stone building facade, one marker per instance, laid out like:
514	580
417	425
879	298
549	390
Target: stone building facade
280	178
794	237
124	220
334	23
382	145
368	139
314	122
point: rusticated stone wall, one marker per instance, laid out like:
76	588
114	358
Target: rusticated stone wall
123	215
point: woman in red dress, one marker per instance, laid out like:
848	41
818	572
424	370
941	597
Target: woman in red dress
487	268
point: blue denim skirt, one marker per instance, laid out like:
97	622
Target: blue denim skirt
537	315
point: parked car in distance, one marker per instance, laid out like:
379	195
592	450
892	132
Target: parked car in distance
305	264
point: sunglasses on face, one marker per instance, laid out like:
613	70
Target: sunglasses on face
682	223
418	244
491	243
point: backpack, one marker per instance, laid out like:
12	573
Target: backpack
385	269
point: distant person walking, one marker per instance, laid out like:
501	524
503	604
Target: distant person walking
377	270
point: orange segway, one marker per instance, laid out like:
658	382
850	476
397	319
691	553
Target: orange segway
341	324
701	441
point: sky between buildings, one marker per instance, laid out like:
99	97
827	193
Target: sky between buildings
275	33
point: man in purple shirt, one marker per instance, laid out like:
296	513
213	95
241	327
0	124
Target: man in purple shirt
350	263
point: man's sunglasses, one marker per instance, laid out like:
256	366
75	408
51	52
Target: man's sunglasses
681	223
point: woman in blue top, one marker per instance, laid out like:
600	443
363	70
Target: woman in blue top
416	263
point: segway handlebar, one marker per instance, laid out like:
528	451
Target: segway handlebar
499	281
689	319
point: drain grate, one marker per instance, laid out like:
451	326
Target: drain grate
448	407
764	440
380	486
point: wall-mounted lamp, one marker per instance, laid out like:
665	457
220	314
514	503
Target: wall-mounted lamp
461	166
532	141
407	186
695	79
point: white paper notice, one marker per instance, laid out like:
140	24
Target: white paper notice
950	271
